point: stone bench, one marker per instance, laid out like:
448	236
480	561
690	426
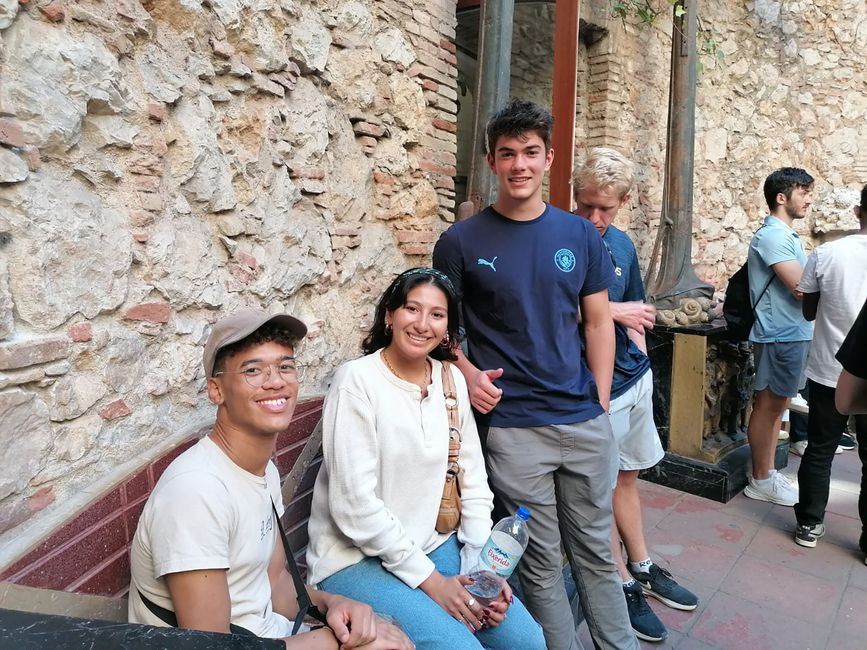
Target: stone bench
81	569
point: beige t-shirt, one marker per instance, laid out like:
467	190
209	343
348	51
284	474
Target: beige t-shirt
205	512
838	270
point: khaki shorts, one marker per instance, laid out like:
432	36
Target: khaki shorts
631	416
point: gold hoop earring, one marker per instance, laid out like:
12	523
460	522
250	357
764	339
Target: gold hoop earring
445	342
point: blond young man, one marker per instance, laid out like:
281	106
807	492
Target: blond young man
602	187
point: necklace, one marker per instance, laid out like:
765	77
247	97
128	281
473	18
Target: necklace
423	386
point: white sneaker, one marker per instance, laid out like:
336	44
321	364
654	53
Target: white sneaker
798	448
776	489
799	405
783	435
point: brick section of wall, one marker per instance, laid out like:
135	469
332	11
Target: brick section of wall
431	32
90	553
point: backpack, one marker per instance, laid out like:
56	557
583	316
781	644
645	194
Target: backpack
738	310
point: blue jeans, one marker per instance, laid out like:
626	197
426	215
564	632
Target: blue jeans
425	622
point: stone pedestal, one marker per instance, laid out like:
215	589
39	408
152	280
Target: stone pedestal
702	400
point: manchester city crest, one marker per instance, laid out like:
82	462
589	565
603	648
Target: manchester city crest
565	260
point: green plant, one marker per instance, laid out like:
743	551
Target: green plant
647	12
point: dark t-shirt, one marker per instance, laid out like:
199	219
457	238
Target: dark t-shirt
630	363
520	282
853	353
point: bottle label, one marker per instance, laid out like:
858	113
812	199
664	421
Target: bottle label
501	553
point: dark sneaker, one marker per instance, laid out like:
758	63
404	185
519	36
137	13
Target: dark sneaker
809	535
659	584
847	442
645	623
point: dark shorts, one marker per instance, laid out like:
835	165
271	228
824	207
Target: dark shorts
781	367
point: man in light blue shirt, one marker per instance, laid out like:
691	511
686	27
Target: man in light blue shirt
781	335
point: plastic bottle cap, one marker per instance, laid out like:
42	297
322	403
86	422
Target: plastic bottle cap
523	513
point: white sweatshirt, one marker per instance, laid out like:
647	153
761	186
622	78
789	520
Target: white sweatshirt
385	454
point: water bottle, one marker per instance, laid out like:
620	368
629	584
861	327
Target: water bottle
499	556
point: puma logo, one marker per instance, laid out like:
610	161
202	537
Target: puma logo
484	262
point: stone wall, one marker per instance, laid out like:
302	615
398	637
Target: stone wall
789	91
165	162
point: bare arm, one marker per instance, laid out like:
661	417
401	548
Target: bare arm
599	338
789	273
850	397
201	602
201	599
810	305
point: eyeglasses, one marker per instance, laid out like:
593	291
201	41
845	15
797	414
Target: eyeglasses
257	374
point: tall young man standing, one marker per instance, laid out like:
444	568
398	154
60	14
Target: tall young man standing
781	335
525	270
602	186
834	284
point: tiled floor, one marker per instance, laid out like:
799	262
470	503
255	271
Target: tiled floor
758	589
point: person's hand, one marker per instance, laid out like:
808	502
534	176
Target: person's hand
353	623
388	637
484	396
449	593
638	316
495	612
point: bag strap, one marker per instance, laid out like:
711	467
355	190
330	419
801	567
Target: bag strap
305	605
168	617
451	398
773	275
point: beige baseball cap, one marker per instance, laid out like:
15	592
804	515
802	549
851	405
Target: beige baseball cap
241	324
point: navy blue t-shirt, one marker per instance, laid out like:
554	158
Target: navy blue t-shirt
520	282
630	363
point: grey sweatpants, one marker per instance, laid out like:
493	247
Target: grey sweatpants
564	474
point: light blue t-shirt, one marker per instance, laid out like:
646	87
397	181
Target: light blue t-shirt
779	318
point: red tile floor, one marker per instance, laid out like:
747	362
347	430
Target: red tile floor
759	590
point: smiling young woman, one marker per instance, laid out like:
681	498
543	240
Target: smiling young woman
385	446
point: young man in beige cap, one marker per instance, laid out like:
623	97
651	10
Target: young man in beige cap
207	554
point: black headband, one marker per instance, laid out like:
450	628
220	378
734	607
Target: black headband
430	272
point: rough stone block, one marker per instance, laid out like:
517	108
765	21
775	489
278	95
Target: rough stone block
31	156
437	169
11	133
366	128
53	11
20	377
23	455
12	168
140	218
444	125
416	249
30	352
152	312
416	236
80	332
7	323
157	111
114	410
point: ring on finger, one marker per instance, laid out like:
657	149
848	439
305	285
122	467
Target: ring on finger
471	602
